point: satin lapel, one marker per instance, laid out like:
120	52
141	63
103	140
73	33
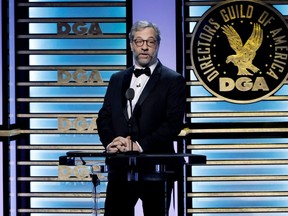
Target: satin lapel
152	82
125	85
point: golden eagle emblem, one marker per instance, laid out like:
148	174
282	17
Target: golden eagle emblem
244	54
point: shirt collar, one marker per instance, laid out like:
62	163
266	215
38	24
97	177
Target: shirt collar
152	67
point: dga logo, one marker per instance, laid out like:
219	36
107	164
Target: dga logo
239	51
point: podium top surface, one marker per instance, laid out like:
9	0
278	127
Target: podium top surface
192	158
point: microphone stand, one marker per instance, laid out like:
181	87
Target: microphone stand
130	126
132	174
130	93
130	121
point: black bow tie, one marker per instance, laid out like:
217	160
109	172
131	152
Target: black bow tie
138	72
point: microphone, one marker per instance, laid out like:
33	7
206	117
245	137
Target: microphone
130	93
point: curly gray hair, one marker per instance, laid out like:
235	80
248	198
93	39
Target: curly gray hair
139	25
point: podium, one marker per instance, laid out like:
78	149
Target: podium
131	161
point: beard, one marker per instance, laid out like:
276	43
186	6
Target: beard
147	61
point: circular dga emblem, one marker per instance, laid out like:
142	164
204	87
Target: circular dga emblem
239	50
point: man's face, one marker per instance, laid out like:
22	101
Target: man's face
145	47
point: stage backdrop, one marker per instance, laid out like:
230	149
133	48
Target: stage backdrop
66	52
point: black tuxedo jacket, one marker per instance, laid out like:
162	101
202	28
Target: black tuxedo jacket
157	117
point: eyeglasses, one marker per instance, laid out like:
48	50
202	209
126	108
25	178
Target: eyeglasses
149	42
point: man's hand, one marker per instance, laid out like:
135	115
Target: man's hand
121	144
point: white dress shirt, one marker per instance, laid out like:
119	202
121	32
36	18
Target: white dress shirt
138	84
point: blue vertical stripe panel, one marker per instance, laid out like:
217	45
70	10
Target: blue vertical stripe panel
82	44
80	12
12	68
84	60
114	45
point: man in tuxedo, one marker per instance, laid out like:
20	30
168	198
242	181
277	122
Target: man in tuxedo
158	105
